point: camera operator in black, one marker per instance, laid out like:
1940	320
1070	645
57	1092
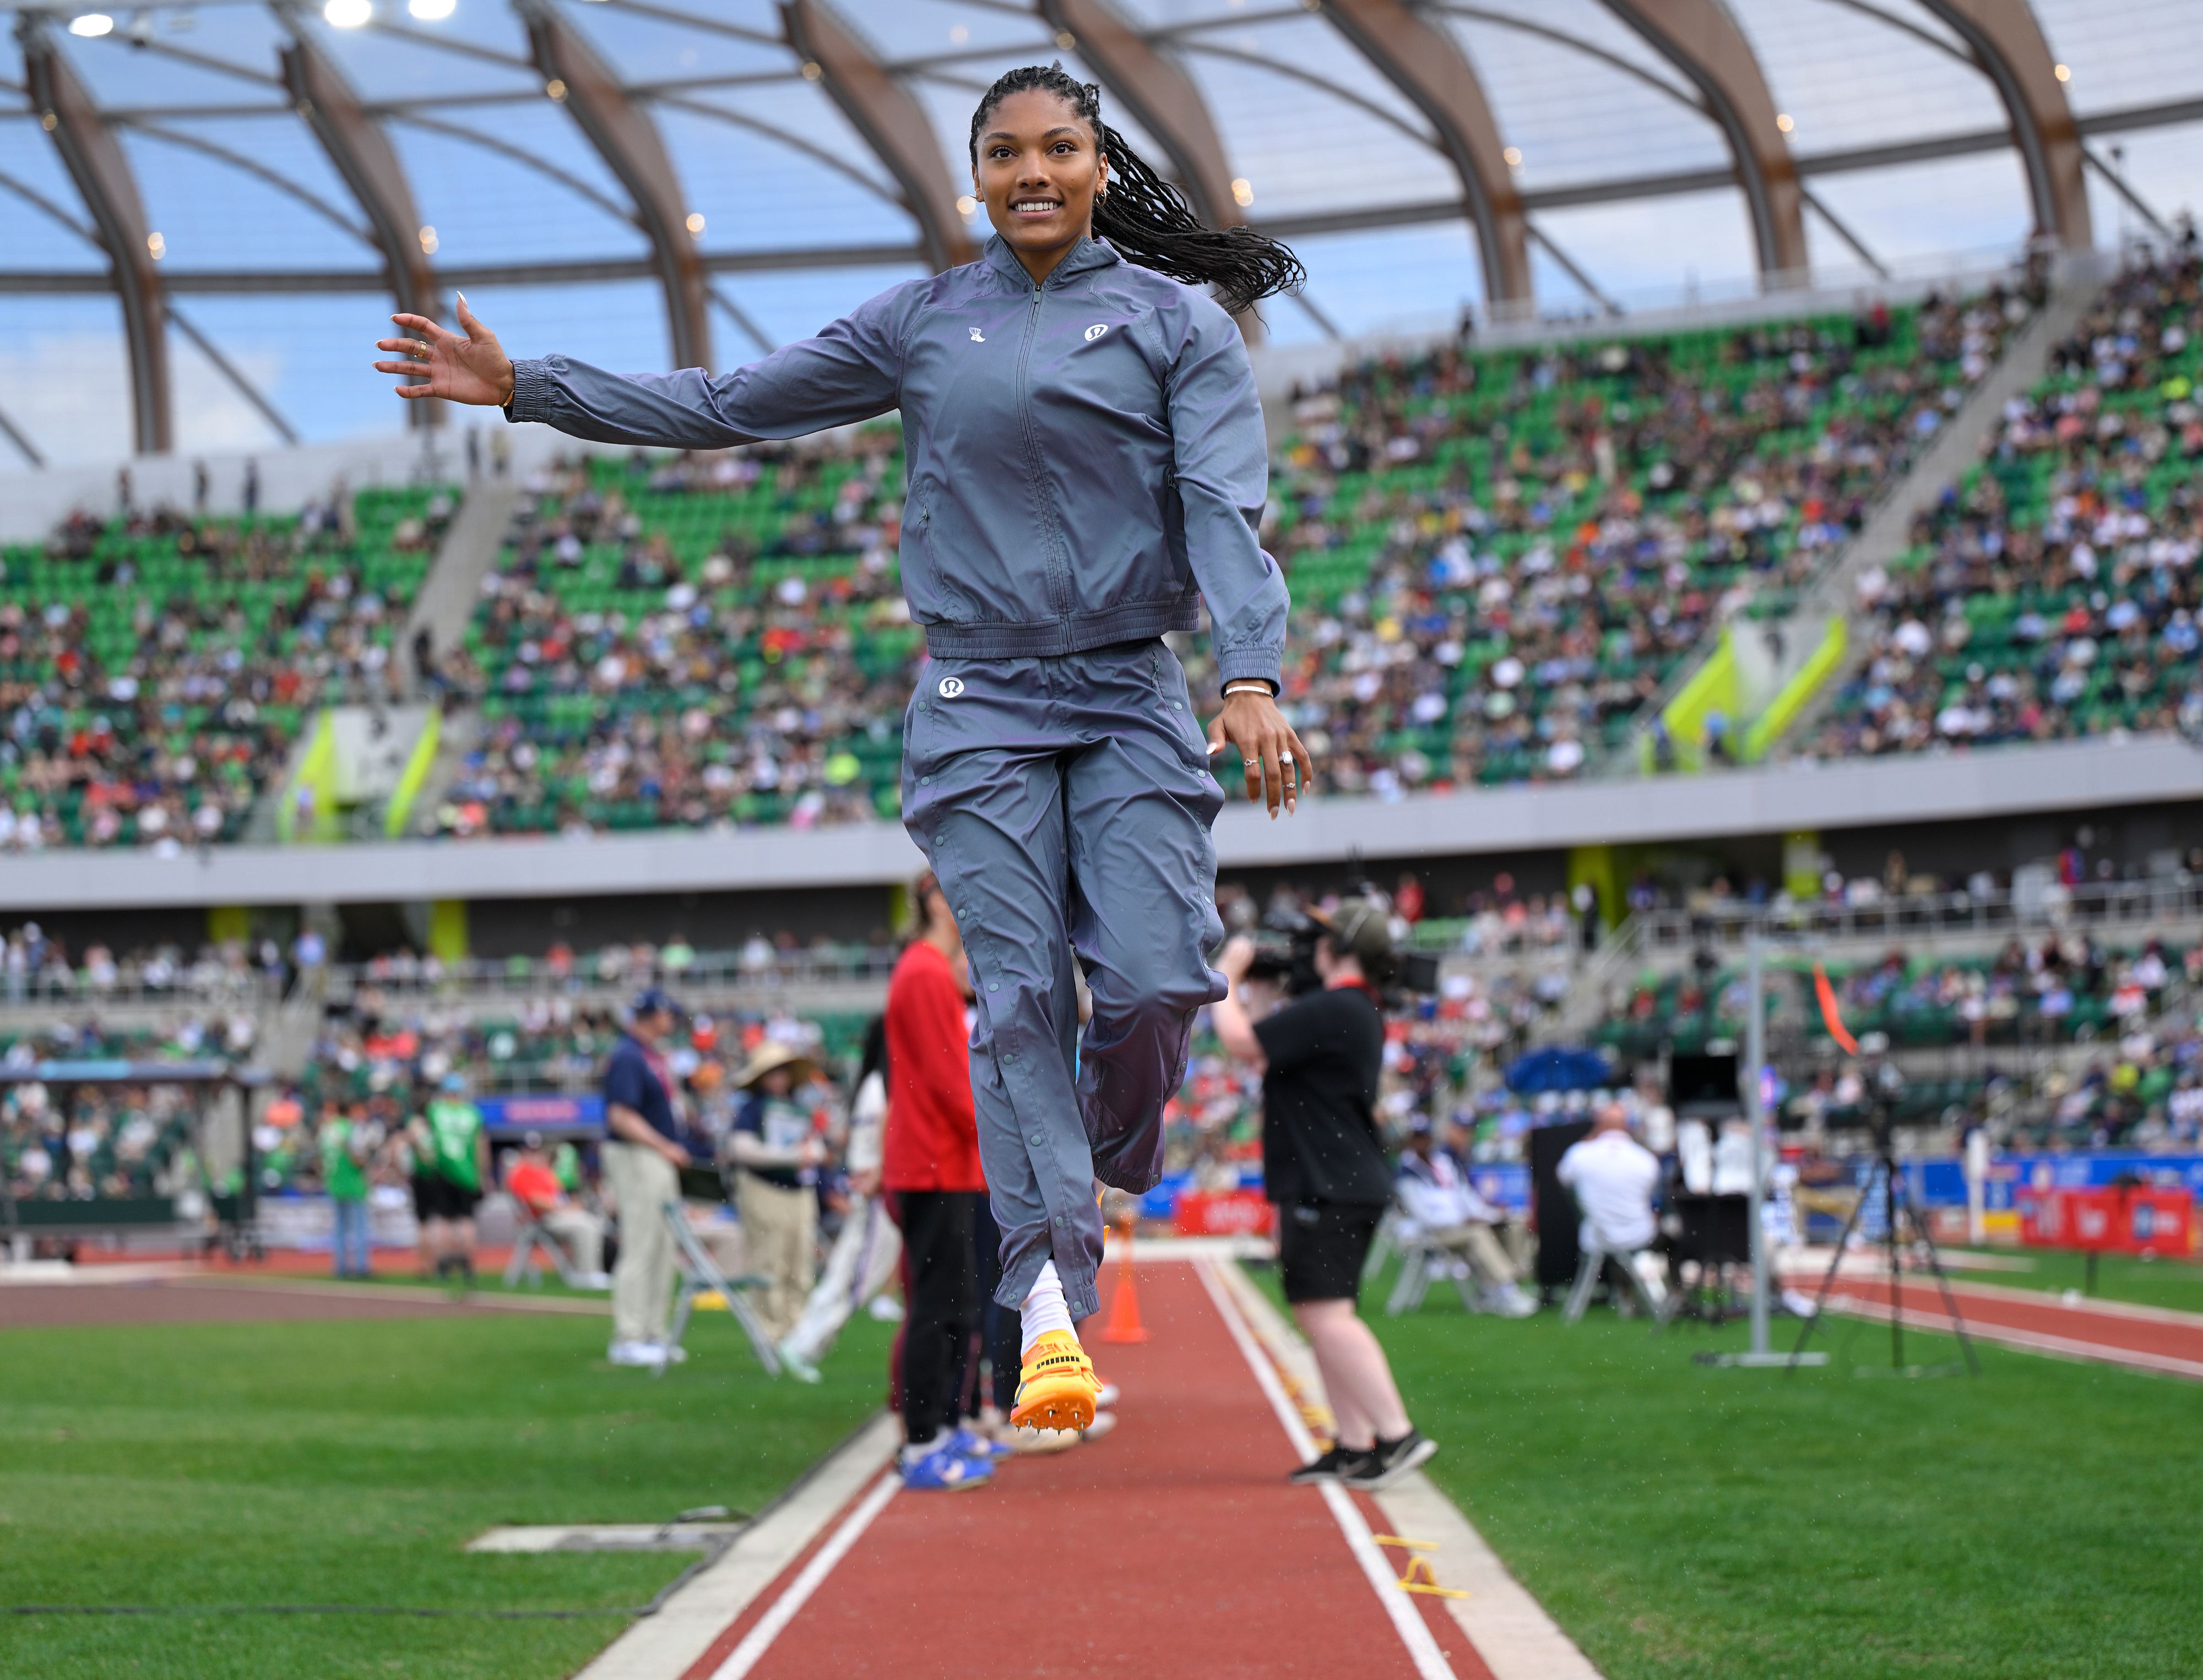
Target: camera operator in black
1320	1056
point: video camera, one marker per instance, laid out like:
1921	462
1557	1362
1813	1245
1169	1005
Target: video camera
1285	954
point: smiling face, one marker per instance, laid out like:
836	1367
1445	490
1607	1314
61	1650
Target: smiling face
1036	171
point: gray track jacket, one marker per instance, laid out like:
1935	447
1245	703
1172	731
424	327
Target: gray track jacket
1086	456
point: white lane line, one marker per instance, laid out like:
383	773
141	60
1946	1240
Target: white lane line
759	1640
1932	1319
690	1621
1509	1630
1422	1648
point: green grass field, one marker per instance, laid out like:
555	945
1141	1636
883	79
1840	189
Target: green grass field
2041	1521
2119	1278
347	1463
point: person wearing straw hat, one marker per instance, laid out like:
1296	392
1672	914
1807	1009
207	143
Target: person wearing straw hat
776	1191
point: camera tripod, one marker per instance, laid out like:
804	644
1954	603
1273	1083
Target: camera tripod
1896	1202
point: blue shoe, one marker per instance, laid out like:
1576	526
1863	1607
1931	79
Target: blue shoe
970	1444
947	1471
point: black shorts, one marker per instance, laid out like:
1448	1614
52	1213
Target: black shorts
1321	1248
435	1197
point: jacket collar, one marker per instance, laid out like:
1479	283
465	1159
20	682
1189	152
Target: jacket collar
1088	253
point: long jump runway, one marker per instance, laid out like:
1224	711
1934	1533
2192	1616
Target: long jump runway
1173	1547
2141	1338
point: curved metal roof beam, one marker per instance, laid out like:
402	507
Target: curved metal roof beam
893	124
258	171
95	161
230	371
2009	49
1613	60
362	154
816	153
38	200
690	20
1701	39
1161	98
1427	65
1308	78
629	142
573	183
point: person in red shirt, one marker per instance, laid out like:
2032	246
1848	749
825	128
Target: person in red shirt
929	1168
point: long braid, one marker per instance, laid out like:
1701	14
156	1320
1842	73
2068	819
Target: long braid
1148	220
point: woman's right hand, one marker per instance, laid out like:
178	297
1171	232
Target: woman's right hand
468	367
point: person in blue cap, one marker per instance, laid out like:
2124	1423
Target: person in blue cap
1087	469
645	1147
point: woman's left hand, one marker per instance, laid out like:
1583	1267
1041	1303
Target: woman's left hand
1279	768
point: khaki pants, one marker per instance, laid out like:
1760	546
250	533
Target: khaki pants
782	1229
580	1231
642	1181
1486	1258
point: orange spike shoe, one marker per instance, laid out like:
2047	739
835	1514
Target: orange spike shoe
1057	1385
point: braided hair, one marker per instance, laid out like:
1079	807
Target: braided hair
1147	219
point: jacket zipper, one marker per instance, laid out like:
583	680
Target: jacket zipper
1035	482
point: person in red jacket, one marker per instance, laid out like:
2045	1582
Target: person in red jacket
929	1168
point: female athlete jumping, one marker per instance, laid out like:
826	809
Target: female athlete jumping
1087	464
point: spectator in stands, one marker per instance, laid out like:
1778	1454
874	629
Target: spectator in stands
1446	1212
930	1170
778	1152
1320	1058
644	1154
456	1150
531	1180
347	1145
869	1245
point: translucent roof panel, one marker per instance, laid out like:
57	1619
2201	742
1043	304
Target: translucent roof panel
1581	96
1396	279
1954	212
2163	167
246	193
501	198
64	380
35	195
1848	79
2125	52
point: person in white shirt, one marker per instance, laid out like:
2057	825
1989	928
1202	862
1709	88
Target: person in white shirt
1613	1176
1446	1211
864	1254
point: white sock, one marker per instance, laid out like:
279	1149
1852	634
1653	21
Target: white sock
919	1449
1044	1308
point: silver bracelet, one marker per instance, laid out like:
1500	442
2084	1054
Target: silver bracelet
1249	684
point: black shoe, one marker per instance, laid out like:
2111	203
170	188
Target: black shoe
1333	1466
1390	1461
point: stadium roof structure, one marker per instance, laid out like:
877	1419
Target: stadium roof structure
209	204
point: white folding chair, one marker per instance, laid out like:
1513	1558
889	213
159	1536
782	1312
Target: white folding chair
528	1238
699	1275
1596	1253
1420	1262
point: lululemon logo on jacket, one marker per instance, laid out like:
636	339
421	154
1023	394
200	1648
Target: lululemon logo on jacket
951	686
1097	330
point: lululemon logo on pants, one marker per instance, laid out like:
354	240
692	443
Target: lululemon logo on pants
1097	330
951	686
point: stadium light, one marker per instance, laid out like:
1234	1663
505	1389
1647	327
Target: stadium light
695	221
91	24
967	205
431	11
1513	155
428	241
348	14
1784	122
1242	192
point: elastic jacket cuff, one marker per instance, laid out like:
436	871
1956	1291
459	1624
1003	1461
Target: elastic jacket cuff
531	389
1240	663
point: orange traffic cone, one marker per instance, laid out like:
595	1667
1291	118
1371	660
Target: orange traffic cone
1124	1324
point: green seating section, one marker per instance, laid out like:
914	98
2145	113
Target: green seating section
2053	592
154	672
1496	558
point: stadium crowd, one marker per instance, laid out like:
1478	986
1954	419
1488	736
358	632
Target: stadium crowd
154	667
2054	592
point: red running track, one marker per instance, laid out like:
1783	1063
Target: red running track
1172	1547
2145	1339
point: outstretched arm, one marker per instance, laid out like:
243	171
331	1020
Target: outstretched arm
850	371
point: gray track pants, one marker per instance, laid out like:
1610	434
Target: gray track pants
1064	804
